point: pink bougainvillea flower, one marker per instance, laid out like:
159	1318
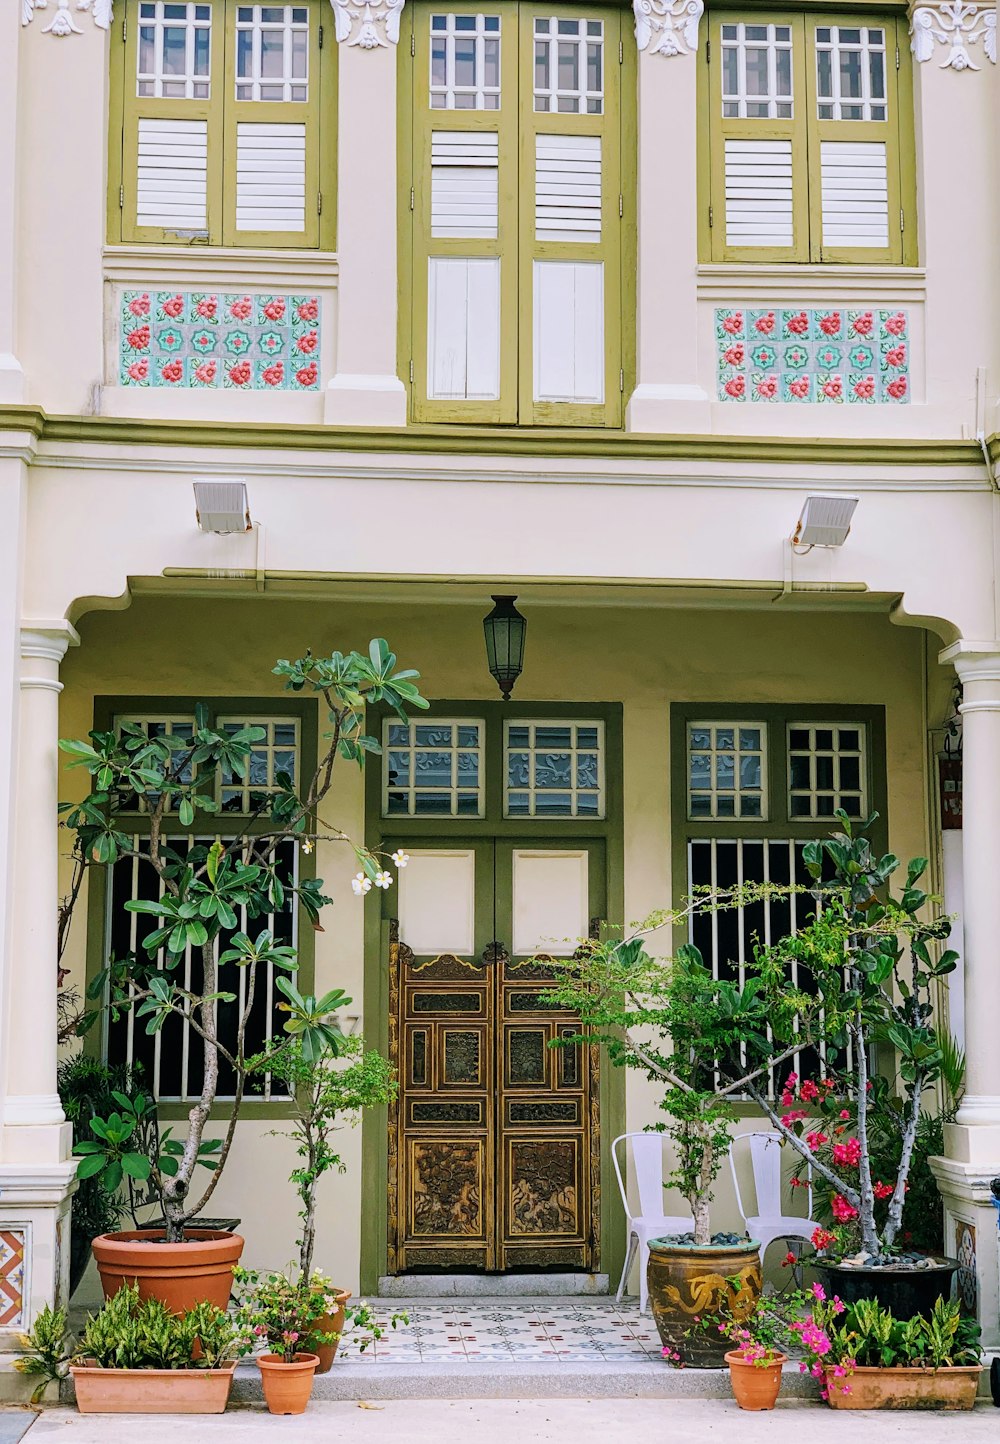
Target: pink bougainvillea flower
847	1154
822	1238
844	1114
816	1140
842	1211
882	1190
808	1092
795	1116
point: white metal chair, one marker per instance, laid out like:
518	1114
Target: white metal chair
650	1221
768	1223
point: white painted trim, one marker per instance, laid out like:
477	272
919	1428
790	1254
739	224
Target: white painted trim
47	641
32	1110
975	1111
225	267
974	662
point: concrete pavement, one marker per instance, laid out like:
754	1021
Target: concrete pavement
533	1421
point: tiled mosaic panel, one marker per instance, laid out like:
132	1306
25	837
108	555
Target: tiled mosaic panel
813	354
11	1278
235	340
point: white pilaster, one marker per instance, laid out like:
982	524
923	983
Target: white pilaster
365	389
12	389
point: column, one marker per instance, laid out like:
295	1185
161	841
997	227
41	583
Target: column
366	389
668	396
36	1168
972	1143
11	373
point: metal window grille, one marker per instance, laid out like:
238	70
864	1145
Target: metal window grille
171	1059
275	754
173	57
433	769
850	73
569	66
465	62
757	72
554	769
727	770
272	52
826	770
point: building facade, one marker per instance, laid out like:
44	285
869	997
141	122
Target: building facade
574	303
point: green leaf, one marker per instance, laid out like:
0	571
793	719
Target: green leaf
137	1166
90	1166
113	1175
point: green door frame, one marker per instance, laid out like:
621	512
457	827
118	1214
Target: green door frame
492	825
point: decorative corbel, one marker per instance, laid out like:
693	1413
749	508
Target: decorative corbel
62	22
957	24
370	24
667	27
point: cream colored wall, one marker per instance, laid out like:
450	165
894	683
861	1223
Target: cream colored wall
60	154
645	658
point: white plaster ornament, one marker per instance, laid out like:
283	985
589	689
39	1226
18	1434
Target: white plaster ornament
667	27
62	22
370	24
957	24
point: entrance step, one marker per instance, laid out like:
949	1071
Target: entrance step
493	1286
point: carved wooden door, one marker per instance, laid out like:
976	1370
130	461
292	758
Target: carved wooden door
494	1141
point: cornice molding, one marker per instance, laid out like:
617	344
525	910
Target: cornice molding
370	24
667	27
63	22
956	24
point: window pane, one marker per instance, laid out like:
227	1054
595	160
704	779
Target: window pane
549	771
425	772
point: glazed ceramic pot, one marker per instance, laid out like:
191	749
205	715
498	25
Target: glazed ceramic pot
694	1287
755	1386
904	1292
329	1324
949	1388
152	1391
180	1275
287	1386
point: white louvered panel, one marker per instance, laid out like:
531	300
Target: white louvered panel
463	328
464	193
759	193
855	189
172	178
569	331
568	187
270	177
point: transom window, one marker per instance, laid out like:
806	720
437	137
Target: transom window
554	769
181	728
850	72
173	58
826	770
272	52
569	66
727	771
465	62
272	764
757	71
433	769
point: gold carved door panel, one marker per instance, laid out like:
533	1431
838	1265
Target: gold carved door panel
494	1143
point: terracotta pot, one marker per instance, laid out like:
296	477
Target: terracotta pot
152	1391
329	1324
904	1388
710	1283
181	1275
287	1386
755	1386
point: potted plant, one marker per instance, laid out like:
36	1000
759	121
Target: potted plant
202	891
866	1358
283	1312
327	1092
757	1353
136	1357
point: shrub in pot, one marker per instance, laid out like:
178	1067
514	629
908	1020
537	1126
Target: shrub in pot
203	889
757	1354
135	1357
278	1313
865	1358
327	1091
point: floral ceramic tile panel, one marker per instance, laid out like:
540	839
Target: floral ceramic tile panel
238	341
819	354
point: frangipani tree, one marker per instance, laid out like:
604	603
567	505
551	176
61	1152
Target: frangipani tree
865	970
205	886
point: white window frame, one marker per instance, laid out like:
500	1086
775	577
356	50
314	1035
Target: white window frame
735	725
552	93
533	751
481	93
740	44
157	77
835	101
287	82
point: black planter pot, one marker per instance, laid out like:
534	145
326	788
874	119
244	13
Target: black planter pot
905	1292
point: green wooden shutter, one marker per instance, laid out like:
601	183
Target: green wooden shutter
171	157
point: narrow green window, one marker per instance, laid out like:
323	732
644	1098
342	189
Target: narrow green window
516	213
218	135
810	139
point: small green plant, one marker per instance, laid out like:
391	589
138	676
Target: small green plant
45	1358
363	1329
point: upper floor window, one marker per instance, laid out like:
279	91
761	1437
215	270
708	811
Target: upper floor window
810	139
515	223
218	135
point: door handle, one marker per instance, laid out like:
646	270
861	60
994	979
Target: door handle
495	952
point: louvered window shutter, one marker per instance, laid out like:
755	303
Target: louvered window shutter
171	157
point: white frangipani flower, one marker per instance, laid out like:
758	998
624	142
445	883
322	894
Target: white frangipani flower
307	845
401	858
361	884
383	879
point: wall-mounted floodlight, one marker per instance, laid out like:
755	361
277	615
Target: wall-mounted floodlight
825	521
222	506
